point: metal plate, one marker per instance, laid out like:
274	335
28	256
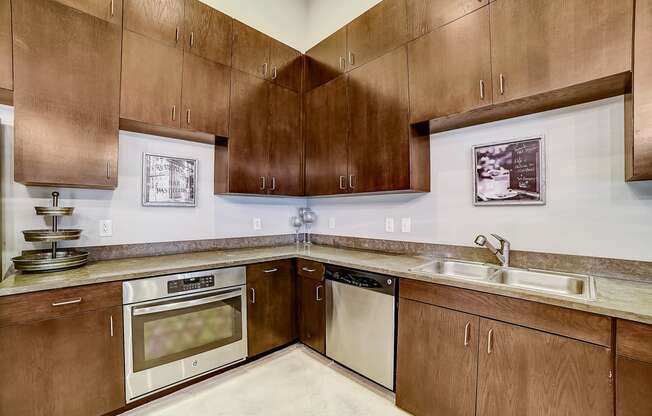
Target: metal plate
54	211
43	261
49	235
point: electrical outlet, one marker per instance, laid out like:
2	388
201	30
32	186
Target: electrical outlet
106	228
406	225
258	224
389	224
331	223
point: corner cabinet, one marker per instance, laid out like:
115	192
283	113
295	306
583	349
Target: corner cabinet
67	95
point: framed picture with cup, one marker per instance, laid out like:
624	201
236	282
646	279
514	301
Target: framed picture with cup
510	172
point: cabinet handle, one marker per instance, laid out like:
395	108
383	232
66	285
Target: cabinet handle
265	67
342	182
262	183
273	188
188	116
111	325
482	89
108	169
270	270
351	58
176	34
174	112
317	298
490	341
112	8
502	84
253	295
67	302
342	63
274	72
192	38
467	333
305	269
351	180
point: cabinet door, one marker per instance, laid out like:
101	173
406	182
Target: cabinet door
151	81
65	366
161	20
312	318
271	320
206	90
437	358
526	372
377	31
208	32
326	60
539	46
427	15
250	50
633	387
378	135
248	134
286	146
109	10
450	68
326	129
286	65
66	96
6	52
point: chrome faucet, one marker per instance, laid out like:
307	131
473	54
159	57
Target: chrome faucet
502	253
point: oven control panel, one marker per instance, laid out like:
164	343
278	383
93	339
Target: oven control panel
191	283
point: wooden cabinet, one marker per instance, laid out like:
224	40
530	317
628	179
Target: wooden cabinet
6	52
376	32
424	16
286	66
379	154
68	363
633	369
206	91
450	68
208	32
161	20
437	358
66	96
271	316
250	50
151	81
285	143
312	313
537	47
326	60
109	10
638	104
527	372
326	132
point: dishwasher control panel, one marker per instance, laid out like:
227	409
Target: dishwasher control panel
362	279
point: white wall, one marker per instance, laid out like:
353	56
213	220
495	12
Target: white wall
214	216
590	209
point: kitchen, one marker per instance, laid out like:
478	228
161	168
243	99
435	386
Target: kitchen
419	207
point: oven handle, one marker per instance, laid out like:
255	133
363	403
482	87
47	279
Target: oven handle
148	310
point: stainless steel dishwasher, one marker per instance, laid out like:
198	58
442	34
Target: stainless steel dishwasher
360	322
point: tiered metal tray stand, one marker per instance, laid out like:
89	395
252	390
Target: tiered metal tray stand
54	258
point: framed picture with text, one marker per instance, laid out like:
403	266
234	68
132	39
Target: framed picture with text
510	172
169	181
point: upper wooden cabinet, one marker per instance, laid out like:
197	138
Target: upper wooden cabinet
208	32
541	46
426	15
638	134
109	10
157	19
326	60
6	52
286	66
251	50
450	68
377	31
67	77
326	132
151	81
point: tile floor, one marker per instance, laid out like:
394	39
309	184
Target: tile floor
294	381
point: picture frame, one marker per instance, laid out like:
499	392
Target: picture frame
169	181
510	172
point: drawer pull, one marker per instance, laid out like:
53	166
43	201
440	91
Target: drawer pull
490	341
253	295
67	302
111	326
317	297
467	333
270	271
305	269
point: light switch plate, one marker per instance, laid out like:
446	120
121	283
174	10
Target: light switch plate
406	225
389	224
258	224
106	228
331	223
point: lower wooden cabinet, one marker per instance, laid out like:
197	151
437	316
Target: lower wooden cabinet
271	312
69	366
633	369
312	313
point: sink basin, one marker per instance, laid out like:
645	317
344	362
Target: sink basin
558	283
460	269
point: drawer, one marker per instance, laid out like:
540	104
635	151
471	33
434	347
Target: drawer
310	269
50	304
570	323
270	268
634	340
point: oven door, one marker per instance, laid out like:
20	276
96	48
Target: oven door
175	339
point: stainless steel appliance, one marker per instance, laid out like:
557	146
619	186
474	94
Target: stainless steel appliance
360	322
178	327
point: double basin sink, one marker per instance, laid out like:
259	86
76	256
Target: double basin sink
571	285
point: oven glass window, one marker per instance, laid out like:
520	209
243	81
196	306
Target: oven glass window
168	336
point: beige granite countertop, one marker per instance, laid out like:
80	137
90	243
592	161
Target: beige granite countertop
617	298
